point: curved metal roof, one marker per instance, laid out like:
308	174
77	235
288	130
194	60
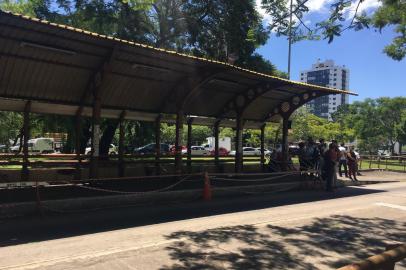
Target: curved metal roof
58	67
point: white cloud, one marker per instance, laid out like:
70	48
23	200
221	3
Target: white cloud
366	5
318	5
323	7
265	15
262	11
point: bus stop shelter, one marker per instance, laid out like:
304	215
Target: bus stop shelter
49	68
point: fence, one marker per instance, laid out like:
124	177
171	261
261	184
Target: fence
393	163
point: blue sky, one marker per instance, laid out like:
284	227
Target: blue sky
372	73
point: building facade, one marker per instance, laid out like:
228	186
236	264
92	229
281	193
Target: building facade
327	74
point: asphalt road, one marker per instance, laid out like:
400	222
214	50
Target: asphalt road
295	230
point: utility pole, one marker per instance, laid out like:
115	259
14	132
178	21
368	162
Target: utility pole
290	36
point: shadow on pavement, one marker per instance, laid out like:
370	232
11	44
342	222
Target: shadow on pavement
313	246
53	226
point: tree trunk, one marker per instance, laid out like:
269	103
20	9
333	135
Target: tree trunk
86	134
108	135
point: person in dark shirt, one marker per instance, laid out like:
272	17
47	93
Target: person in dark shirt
330	160
352	164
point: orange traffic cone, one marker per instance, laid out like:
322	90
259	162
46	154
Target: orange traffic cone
207	188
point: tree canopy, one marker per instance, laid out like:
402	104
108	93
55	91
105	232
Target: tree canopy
377	123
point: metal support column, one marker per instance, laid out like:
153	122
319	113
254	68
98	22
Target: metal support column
94	160
263	147
121	164
285	147
238	144
26	135
178	142
216	144
78	135
158	145
189	145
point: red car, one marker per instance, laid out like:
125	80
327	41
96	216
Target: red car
172	149
222	152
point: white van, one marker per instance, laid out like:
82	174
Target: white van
38	145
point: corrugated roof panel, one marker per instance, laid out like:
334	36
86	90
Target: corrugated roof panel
139	94
25	42
60	72
40	28
145	73
208	103
139	57
260	108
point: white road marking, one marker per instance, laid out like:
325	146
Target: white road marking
400	207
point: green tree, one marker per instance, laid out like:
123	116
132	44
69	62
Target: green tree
306	124
377	123
10	127
400	129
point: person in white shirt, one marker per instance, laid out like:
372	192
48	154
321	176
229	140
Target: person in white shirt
342	161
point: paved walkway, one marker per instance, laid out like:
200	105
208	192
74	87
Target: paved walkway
295	230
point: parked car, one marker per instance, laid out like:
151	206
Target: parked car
197	151
222	152
15	148
248	151
38	145
3	148
384	154
112	150
172	149
150	149
267	152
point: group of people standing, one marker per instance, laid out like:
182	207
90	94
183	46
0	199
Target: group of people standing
327	159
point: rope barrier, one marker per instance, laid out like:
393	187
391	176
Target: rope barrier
132	192
145	177
265	179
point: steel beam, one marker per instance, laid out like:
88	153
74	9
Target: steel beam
95	86
238	144
287	107
285	146
189	144
263	147
121	163
96	119
241	101
78	135
216	143
186	88
26	136
98	78
178	142
158	144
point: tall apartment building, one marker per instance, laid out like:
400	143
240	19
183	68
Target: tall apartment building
327	74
